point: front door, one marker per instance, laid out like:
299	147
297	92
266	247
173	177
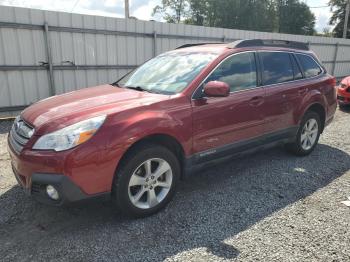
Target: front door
223	122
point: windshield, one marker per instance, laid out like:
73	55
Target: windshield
168	73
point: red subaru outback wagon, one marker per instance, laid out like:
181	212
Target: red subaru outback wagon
134	139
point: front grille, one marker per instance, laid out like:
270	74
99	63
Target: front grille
341	98
37	188
20	134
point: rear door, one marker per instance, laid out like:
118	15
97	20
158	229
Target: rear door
283	93
220	122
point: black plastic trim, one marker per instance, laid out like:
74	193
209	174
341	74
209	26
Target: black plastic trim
241	147
270	43
68	191
197	44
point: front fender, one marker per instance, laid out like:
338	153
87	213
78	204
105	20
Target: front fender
150	123
173	119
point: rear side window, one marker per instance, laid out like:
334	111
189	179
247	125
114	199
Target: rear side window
238	71
310	67
277	67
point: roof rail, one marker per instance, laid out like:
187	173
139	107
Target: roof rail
196	44
269	42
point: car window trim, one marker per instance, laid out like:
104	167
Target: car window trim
223	60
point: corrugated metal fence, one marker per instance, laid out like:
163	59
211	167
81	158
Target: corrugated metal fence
44	53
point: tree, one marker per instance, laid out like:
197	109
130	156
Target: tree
173	11
295	17
338	8
285	16
249	14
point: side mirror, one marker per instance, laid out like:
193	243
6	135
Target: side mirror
216	89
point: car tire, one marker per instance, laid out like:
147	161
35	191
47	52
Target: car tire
307	136
140	187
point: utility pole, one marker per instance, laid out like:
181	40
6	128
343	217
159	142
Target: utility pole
127	14
347	9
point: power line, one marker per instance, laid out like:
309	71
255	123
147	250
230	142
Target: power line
74	6
323	6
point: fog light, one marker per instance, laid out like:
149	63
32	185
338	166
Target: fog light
52	192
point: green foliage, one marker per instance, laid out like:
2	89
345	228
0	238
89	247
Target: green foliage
285	16
173	11
246	15
295	18
338	17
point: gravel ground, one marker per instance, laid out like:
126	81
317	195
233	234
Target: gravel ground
270	206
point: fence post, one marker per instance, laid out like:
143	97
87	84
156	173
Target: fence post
154	43
335	58
52	90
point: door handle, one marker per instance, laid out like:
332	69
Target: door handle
303	91
256	101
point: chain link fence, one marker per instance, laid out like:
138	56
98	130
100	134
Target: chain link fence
5	125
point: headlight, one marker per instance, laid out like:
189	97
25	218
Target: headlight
70	136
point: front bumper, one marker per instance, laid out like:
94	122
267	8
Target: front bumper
77	175
343	96
343	100
67	190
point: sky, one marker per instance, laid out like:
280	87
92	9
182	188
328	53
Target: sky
141	9
322	14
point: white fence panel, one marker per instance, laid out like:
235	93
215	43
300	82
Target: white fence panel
85	50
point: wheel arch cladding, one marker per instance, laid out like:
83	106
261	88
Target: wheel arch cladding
166	140
320	110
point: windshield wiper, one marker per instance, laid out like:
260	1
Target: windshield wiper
138	88
116	84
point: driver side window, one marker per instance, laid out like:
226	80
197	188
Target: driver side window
238	71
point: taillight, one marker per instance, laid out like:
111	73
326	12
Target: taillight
332	81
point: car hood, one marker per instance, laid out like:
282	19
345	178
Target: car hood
84	103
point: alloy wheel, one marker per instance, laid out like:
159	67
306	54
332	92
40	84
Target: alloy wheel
309	134
150	183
